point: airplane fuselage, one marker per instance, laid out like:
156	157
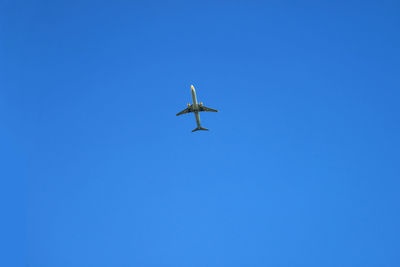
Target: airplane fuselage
195	107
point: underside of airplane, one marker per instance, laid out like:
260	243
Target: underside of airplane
196	108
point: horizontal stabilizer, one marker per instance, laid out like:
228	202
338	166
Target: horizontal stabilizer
200	129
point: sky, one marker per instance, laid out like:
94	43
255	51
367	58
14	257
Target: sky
300	167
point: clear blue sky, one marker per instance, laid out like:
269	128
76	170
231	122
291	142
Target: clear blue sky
301	166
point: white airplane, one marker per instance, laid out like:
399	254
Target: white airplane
196	108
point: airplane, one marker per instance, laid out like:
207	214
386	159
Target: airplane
196	108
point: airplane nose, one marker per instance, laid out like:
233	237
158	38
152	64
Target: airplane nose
192	87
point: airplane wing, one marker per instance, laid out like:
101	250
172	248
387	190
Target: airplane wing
186	110
203	108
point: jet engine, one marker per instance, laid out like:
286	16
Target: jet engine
188	104
201	104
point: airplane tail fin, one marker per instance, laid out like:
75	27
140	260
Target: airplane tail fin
200	129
